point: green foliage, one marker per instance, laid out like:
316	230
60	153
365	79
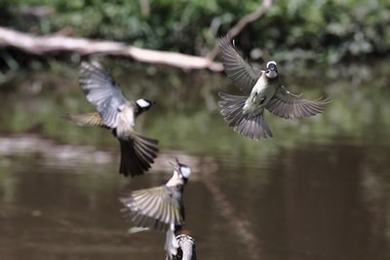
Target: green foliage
329	29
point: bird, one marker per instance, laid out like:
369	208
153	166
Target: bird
118	114
186	249
263	90
160	208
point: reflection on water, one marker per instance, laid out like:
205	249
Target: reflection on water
312	202
318	190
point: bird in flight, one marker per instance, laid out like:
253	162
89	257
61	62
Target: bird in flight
117	113
186	249
160	208
263	89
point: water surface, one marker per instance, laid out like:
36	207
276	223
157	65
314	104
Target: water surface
318	190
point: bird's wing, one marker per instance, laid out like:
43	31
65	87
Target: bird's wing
155	208
237	70
101	90
290	106
86	119
137	154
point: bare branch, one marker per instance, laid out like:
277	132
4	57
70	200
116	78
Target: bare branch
57	43
242	23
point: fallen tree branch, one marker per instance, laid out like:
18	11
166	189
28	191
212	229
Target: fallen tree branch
242	23
57	43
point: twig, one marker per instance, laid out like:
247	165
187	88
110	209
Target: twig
242	23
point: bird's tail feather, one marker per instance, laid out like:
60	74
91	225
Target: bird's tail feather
127	155
137	154
254	127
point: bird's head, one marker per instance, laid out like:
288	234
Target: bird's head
144	104
185	171
181	173
272	70
187	249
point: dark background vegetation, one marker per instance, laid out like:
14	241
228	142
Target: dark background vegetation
321	30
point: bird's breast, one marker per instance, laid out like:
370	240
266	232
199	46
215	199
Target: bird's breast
260	95
126	122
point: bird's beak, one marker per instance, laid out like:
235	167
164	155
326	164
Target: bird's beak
172	163
175	163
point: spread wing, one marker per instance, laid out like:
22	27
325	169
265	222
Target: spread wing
86	119
101	91
237	70
154	208
290	106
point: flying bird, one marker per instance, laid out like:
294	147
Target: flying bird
263	89
160	208
117	113
186	249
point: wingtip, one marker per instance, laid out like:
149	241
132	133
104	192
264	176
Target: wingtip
221	94
69	117
86	66
125	199
325	100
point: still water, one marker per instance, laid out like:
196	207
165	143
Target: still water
320	189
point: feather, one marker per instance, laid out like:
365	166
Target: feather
153	204
137	154
87	119
254	127
290	106
237	70
101	91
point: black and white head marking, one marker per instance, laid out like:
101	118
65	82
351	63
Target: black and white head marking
144	104
185	171
272	70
